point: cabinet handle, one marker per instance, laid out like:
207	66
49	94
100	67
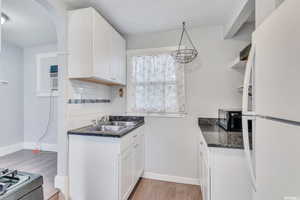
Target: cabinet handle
135	136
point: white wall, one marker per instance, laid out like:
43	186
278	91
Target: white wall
11	95
172	142
264	8
36	108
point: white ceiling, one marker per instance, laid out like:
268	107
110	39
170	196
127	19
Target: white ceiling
29	24
141	16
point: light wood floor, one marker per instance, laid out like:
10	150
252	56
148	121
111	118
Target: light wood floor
148	189
44	163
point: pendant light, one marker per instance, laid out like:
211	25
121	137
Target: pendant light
185	55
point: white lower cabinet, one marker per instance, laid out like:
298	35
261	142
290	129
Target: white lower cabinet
204	171
126	173
139	158
223	173
105	168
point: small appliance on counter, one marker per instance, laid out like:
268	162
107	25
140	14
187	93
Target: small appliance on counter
231	120
15	185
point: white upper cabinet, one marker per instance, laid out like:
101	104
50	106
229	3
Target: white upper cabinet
118	56
101	46
97	51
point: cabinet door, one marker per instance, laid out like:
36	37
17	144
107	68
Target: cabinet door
126	173
206	180
80	43
139	156
101	47
118	58
122	61
142	152
200	170
204	171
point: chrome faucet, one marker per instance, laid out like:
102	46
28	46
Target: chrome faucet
104	118
100	120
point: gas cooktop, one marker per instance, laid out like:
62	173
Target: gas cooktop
10	179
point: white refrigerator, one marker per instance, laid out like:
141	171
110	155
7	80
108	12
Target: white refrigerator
273	71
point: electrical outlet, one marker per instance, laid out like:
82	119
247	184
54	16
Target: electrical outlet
290	198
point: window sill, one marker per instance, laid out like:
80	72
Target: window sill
158	115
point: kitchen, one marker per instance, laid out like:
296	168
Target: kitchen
171	138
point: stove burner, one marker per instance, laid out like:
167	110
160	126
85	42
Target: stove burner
10	179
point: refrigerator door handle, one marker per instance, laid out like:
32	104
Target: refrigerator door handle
248	151
249	69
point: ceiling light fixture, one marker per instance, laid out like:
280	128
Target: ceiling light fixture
184	55
4	18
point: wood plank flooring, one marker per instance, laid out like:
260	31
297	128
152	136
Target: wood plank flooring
148	189
44	163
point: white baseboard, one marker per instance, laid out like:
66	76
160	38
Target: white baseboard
62	183
169	178
11	149
43	146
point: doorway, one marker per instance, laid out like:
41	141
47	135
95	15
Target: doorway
28	104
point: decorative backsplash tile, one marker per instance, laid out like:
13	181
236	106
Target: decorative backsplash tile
83	101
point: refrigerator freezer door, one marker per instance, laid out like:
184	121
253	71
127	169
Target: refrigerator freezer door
277	63
277	160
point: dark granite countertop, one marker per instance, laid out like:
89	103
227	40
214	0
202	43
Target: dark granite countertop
84	131
216	136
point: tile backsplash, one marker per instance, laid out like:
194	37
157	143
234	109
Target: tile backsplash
86	90
97	100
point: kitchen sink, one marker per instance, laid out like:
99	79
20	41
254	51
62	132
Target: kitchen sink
107	128
111	127
123	123
117	123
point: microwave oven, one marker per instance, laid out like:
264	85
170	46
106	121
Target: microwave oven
231	120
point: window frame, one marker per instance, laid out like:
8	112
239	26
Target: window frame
149	51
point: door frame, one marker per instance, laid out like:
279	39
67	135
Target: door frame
57	11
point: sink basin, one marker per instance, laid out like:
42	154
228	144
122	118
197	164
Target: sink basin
107	128
110	126
123	123
117	123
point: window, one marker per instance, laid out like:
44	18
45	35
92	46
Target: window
155	83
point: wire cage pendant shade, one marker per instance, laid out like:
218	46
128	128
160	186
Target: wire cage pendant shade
185	55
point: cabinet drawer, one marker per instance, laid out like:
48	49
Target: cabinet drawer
136	137
130	139
126	142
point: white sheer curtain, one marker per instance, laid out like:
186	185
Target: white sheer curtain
155	85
